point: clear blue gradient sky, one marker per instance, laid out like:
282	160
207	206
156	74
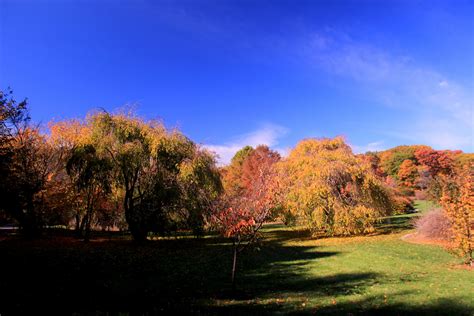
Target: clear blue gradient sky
231	73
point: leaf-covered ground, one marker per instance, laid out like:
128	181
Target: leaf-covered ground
291	273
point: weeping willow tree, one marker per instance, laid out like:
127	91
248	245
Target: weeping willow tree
330	190
166	180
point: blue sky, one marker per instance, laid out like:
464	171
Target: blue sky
231	73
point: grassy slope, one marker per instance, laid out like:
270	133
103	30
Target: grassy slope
380	273
290	274
424	205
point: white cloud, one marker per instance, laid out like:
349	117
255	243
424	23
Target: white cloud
437	110
438	132
443	83
268	135
373	146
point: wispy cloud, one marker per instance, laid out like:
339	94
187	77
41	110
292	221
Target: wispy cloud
373	146
439	110
269	135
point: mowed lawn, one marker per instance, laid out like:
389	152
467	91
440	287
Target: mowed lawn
290	274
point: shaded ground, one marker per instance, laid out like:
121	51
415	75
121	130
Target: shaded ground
290	274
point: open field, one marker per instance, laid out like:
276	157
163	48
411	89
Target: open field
291	273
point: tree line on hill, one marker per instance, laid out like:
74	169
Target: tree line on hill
118	170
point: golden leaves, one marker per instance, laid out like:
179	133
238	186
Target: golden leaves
331	189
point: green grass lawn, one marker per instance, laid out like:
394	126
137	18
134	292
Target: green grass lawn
290	274
424	205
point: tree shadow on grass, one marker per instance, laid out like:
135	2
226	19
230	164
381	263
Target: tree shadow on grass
396	224
65	276
170	276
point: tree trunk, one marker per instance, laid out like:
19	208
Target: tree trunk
135	227
87	229
78	222
234	265
139	234
29	222
30	228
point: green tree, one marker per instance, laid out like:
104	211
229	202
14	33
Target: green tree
165	180
201	186
130	144
91	175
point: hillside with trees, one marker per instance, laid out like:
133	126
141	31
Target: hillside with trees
118	174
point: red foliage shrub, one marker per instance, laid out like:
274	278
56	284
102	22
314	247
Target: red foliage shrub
434	225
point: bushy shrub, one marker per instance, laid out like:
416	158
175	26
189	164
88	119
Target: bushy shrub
434	225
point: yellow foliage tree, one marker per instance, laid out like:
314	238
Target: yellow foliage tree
330	189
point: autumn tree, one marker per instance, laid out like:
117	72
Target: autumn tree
331	190
408	173
12	114
435	166
63	193
437	161
165	179
26	180
463	160
232	174
391	159
128	143
458	203
91	174
373	159
27	161
240	214
200	186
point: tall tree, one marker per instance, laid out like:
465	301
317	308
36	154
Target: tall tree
130	144
201	186
26	163
232	174
64	194
165	179
458	203
92	179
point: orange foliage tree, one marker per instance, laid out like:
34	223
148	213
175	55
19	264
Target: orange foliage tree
407	173
232	174
458	202
64	195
